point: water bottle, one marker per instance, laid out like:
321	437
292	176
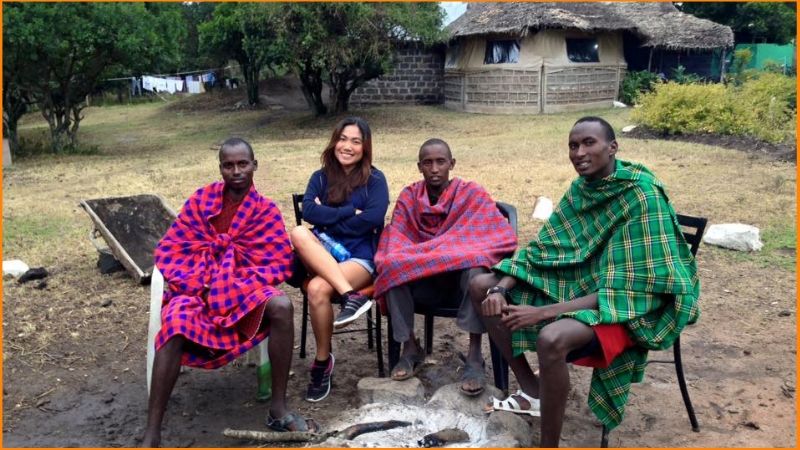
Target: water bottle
336	249
264	374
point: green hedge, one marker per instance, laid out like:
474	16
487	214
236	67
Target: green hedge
763	107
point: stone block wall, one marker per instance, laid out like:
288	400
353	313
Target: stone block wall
416	78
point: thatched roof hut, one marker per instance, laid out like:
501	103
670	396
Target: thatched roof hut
658	24
548	57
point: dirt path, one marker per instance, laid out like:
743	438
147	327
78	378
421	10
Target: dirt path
89	389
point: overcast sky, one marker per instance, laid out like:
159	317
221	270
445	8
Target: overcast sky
453	10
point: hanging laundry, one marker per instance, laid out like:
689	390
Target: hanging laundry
147	83
194	87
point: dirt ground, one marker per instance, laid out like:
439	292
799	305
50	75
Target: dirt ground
87	387
90	389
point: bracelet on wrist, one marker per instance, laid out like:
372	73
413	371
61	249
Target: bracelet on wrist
499	290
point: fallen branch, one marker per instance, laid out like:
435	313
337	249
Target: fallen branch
306	436
362	428
275	436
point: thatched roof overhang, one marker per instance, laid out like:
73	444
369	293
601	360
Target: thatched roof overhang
656	24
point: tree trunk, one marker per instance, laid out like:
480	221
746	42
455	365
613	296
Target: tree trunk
342	87
15	105
311	85
250	72
10	133
63	129
342	100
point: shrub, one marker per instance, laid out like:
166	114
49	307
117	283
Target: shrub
636	83
680	76
770	85
773	66
762	107
739	71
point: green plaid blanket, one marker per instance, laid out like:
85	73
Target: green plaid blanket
619	237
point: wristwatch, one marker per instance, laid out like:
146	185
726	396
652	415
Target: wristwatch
499	290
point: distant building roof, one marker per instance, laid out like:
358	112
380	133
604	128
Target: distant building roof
657	24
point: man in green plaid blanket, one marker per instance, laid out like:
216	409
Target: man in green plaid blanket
608	278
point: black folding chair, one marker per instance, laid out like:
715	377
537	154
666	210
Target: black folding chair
373	324
499	364
693	228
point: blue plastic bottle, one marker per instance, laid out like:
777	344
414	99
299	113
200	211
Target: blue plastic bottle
336	249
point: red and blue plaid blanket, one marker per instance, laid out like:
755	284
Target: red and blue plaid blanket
220	283
463	229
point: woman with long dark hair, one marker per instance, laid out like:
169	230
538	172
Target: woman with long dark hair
346	202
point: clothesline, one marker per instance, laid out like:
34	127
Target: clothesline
170	74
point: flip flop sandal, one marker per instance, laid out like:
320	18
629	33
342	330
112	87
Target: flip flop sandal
409	364
511	404
293	422
472	373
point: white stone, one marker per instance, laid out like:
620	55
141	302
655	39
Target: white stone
14	267
502	425
619	104
628	128
386	390
735	236
542	208
449	396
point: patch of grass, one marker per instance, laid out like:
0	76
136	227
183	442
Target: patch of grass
149	148
33	235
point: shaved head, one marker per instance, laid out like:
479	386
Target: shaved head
236	142
431	142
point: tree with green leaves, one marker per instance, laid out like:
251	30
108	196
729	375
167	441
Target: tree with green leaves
344	45
195	14
55	54
752	21
248	33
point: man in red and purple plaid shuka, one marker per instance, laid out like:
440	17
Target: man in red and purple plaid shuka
443	232
222	260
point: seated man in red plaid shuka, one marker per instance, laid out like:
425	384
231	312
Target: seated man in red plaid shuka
443	232
222	259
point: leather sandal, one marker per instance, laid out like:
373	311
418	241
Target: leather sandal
409	364
472	373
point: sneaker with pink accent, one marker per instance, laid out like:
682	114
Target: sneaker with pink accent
320	385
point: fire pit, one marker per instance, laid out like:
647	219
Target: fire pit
447	409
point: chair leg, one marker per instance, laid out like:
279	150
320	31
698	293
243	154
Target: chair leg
379	344
499	368
676	347
304	327
370	326
604	438
428	334
394	347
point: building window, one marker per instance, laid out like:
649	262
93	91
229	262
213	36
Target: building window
498	52
452	56
582	50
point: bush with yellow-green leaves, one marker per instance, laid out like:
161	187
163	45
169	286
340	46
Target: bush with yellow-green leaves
764	107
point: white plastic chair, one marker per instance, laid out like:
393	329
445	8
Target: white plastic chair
264	369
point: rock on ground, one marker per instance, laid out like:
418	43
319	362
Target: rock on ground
735	236
386	390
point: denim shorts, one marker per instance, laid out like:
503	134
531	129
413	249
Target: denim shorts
365	263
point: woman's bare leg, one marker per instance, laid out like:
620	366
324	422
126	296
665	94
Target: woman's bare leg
320	293
318	260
